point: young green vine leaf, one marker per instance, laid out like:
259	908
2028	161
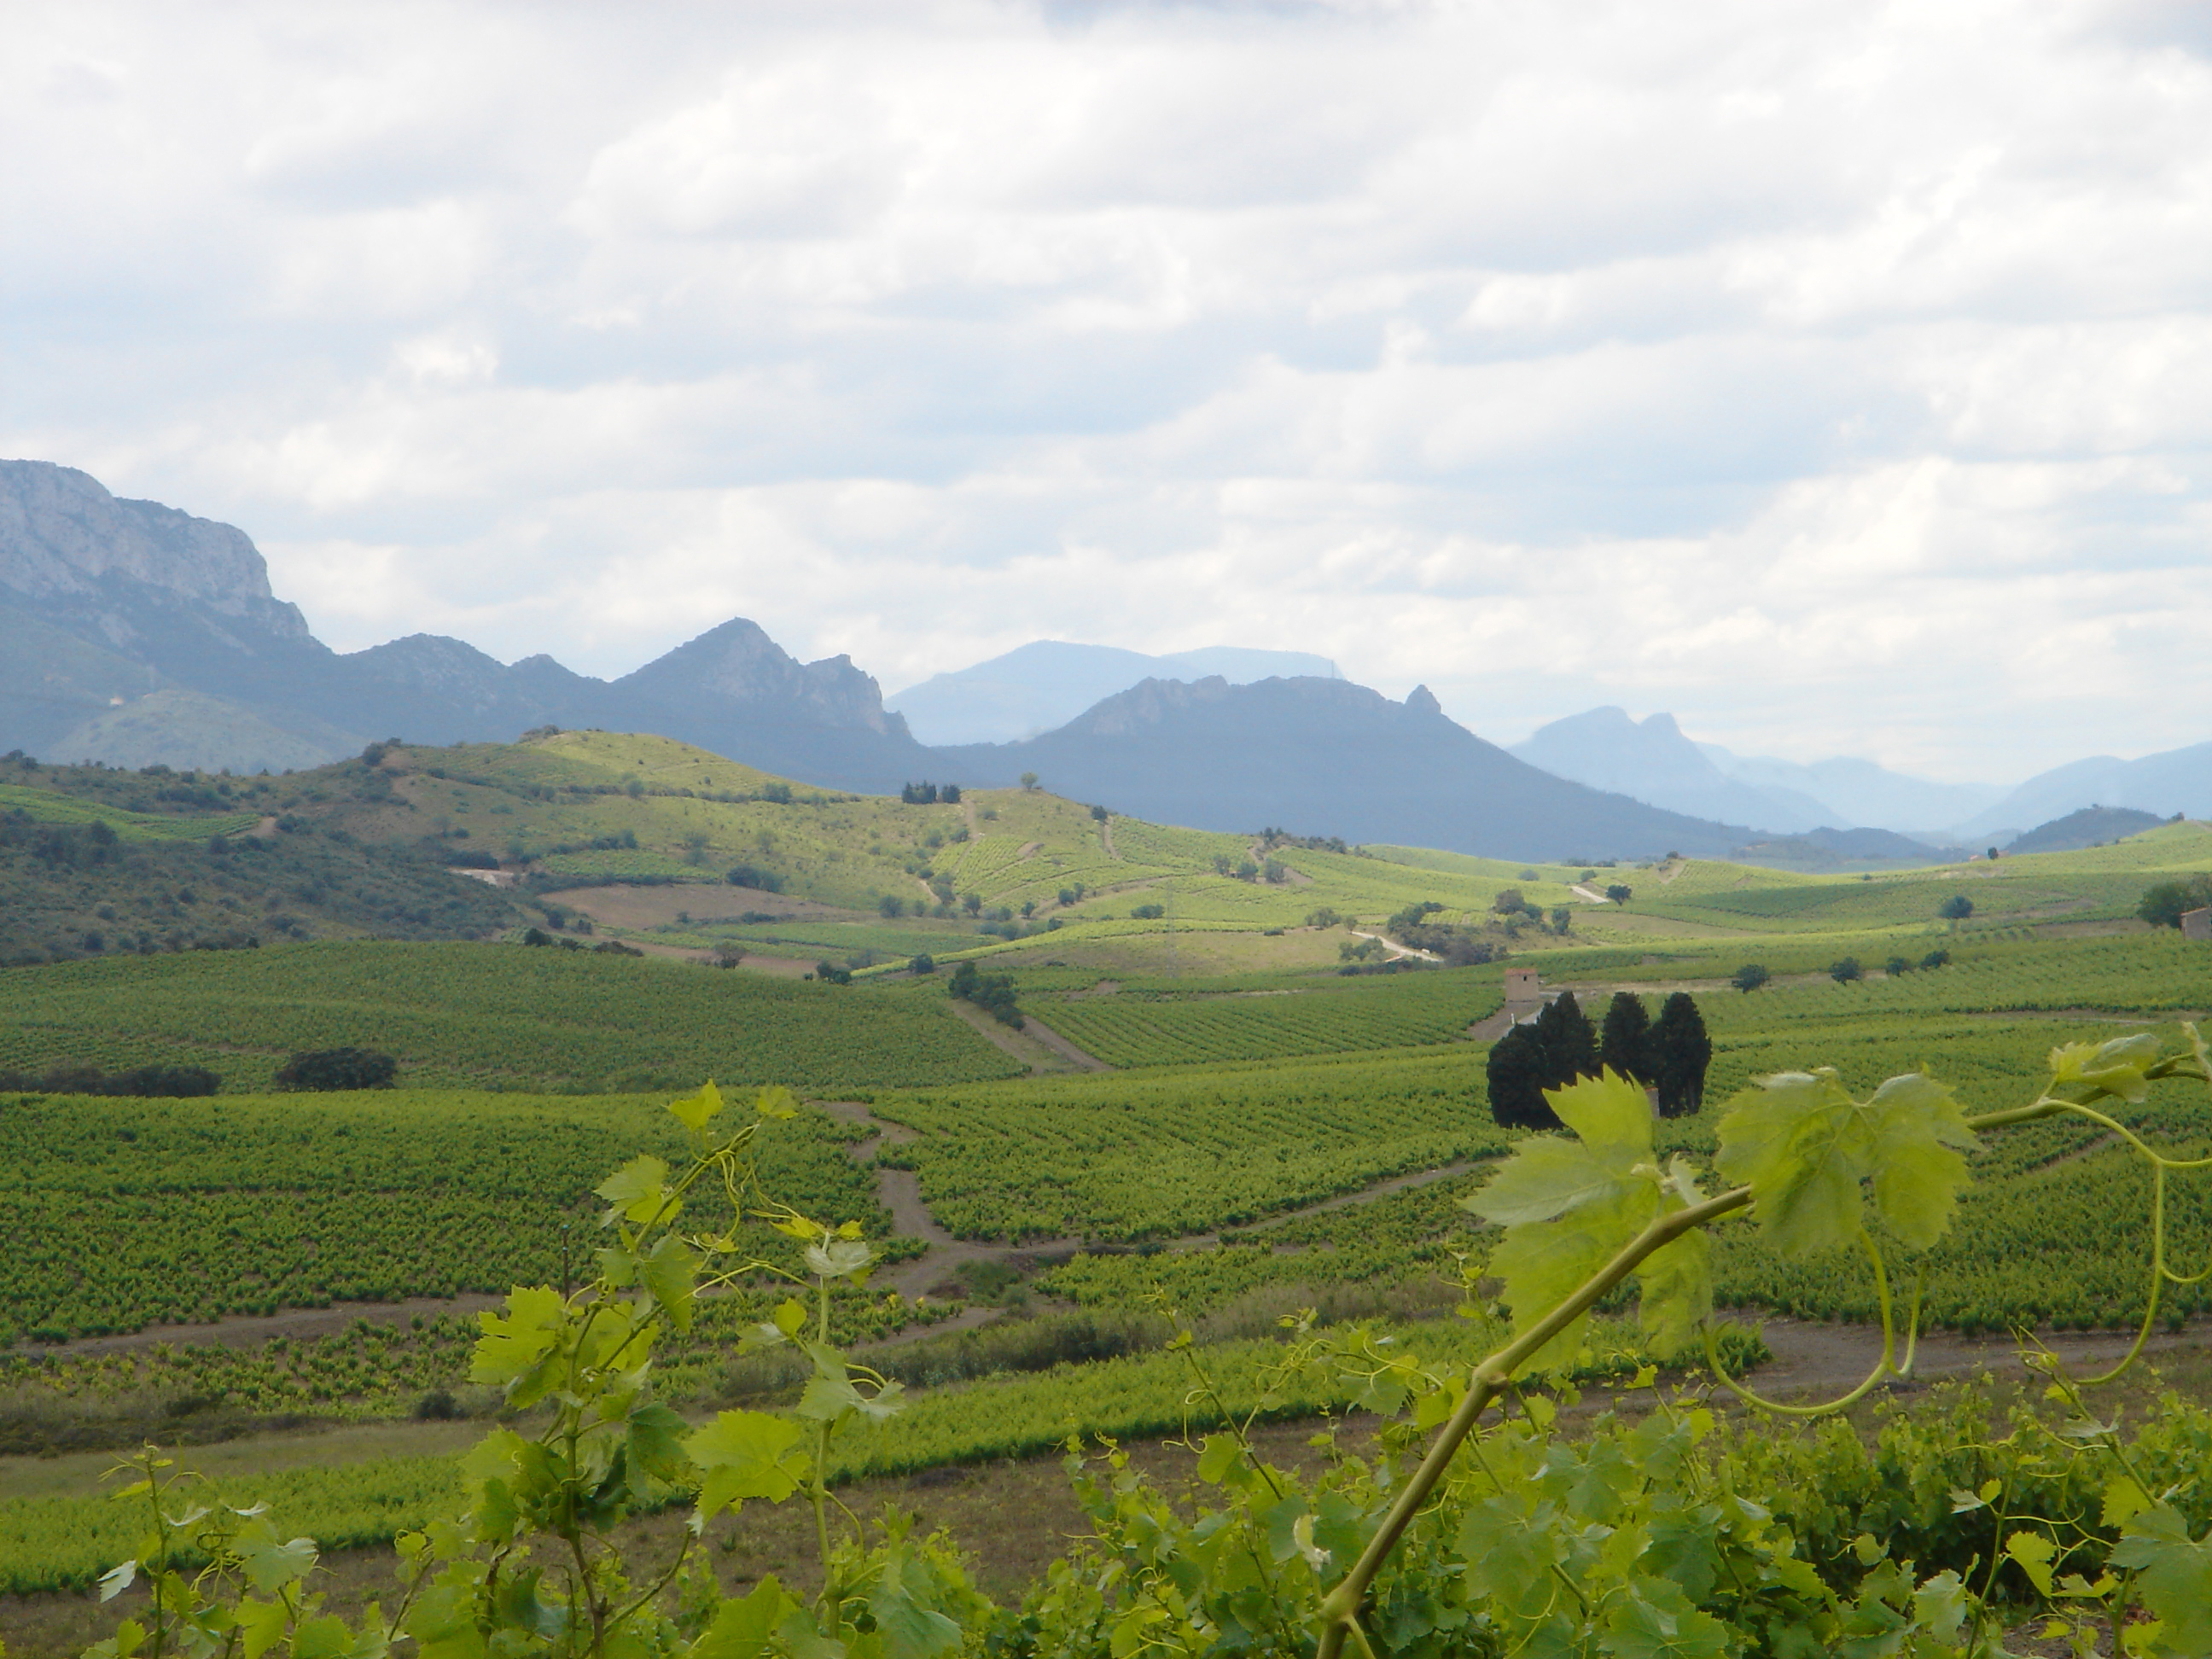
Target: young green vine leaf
1569	1206
1806	1149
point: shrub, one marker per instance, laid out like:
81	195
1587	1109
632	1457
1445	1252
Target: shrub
324	1070
1846	971
1750	977
1957	907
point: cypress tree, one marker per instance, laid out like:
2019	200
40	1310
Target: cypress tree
1681	1053
1570	1046
1626	1042
1515	1074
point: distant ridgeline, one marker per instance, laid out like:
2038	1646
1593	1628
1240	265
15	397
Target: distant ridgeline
134	634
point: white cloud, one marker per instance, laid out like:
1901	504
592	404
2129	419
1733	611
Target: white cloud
1834	376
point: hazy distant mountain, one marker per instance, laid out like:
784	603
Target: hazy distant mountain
2092	826
1047	682
1652	761
2176	780
131	632
1853	791
1327	757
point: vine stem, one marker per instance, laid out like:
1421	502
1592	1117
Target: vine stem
1339	1610
1341	1606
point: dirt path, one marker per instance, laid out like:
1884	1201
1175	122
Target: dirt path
250	1331
1395	948
899	1191
1341	1201
1489	1030
1828	1360
1052	1040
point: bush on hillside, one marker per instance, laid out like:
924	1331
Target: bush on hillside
2165	904
143	1082
326	1070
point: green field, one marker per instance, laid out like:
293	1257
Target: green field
478	1016
1327	1017
129	1213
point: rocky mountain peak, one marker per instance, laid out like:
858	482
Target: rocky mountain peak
738	662
65	542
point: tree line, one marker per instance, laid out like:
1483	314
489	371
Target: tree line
1670	1055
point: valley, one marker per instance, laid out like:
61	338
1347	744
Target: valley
1240	1075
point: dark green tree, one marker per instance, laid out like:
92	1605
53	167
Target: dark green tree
1846	971
1515	1072
1624	1041
1570	1045
1957	907
2164	905
1620	892
324	1069
1681	1053
1750	977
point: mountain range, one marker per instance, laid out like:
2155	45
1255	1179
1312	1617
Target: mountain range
134	634
1047	682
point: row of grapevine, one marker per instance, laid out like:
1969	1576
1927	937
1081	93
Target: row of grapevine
131	1213
460	1015
1397	1012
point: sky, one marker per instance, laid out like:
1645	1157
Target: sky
1838	378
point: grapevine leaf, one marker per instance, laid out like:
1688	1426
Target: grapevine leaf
1608	1114
776	1101
2117	1067
637	1190
326	1638
1918	1126
656	1448
1223	1453
1804	1146
1939	1606
670	1273
747	1455
1546	1177
260	1623
268	1564
1789	1139
1676	1285
1543	1263
827	1397
2123	1501
696	1111
513	1348
117	1579
744	1627
2032	1553
1656	1622
837	1258
910	1628
2174	1574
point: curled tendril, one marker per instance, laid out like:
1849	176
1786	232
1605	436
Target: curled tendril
1887	1366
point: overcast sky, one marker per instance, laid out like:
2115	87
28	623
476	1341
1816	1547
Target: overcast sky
1838	377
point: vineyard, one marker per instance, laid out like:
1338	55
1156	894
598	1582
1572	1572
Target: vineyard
127	1213
68	1542
1127	1157
461	1015
1134	1028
